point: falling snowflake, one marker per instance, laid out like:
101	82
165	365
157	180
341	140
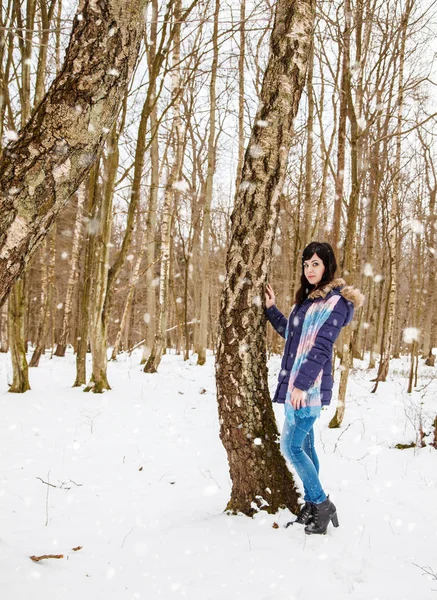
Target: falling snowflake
256	151
257	441
11	135
130	257
277	250
64	255
221	278
417	227
368	270
378	278
411	334
155	282
178	300
114	72
262	123
181	186
256	300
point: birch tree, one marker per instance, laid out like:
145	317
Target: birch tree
260	478
58	145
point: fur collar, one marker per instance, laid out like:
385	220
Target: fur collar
347	291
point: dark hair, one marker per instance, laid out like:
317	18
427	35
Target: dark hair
325	252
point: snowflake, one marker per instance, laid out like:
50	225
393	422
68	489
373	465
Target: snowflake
368	270
11	135
411	334
181	186
256	151
416	226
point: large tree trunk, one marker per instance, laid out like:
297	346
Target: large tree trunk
59	144
260	478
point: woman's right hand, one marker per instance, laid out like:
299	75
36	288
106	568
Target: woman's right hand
270	296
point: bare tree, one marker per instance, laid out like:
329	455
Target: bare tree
260	478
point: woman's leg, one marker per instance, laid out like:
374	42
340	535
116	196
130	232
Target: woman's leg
292	441
310	449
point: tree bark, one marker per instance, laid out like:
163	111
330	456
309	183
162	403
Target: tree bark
59	144
260	478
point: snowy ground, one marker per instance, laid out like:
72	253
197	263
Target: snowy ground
142	480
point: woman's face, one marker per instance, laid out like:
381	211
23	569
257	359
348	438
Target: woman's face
314	269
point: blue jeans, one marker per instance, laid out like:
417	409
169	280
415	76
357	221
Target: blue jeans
297	445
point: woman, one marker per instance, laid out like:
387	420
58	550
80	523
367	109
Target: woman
323	306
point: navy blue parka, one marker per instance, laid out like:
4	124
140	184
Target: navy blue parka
320	356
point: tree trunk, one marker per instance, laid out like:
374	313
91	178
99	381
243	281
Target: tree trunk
260	478
73	276
20	380
59	144
159	343
4	339
349	263
308	204
83	326
204	298
387	344
46	299
341	145
128	304
99	305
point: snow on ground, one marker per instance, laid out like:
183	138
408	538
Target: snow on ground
142	480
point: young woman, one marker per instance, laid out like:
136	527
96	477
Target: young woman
323	306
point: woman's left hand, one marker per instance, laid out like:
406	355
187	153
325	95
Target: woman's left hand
297	398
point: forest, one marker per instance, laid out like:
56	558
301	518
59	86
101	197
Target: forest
162	162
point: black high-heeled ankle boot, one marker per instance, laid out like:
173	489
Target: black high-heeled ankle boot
323	513
304	516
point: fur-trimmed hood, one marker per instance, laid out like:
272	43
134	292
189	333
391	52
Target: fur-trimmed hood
348	292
